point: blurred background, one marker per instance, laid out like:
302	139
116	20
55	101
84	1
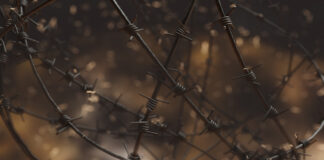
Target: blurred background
87	36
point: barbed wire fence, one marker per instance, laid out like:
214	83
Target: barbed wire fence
179	82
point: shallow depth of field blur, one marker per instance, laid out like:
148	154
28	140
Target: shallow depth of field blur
93	41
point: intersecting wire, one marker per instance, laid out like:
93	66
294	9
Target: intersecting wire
185	78
201	97
203	87
290	71
87	88
73	80
116	104
301	144
182	101
25	16
293	42
21	110
186	83
287	77
48	64
307	54
159	83
5	115
226	22
249	72
210	123
67	122
67	119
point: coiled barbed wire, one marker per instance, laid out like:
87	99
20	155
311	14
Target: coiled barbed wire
151	104
71	77
4	58
226	21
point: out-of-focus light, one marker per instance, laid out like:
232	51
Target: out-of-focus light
256	41
86	109
73	9
204	47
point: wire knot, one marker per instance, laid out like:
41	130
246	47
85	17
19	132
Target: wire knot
3	58
24	36
133	156
212	124
181	32
71	76
249	75
226	21
179	89
152	102
272	112
132	29
49	63
145	127
89	88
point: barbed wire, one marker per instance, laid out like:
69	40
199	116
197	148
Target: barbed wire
227	134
